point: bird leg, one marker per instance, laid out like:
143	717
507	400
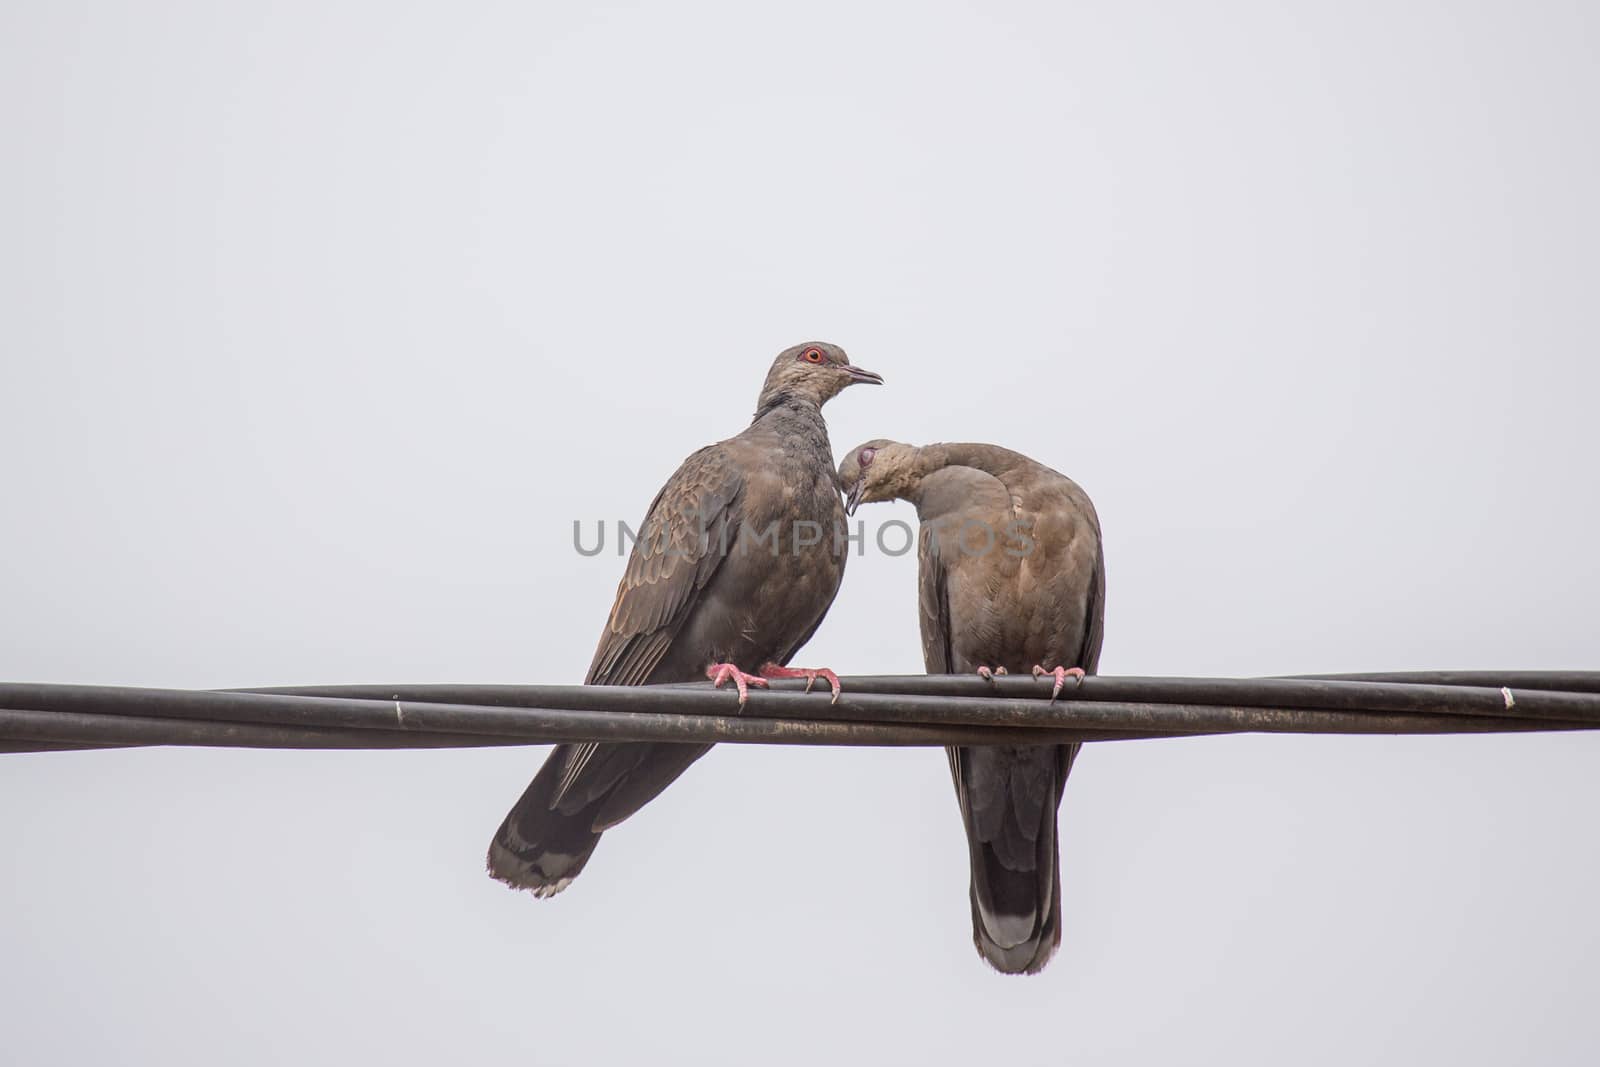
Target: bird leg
1060	675
990	675
772	670
721	672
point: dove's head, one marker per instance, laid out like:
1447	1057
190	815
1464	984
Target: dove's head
878	470
815	371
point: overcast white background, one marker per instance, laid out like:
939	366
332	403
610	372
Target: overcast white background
322	322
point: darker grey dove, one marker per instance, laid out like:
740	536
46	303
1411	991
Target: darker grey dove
1011	577
737	561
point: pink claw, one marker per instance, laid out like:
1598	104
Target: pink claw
1060	675
989	675
772	670
721	672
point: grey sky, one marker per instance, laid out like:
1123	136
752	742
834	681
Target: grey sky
322	323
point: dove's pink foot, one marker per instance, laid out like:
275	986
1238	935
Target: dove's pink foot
1060	674
721	672
772	670
990	675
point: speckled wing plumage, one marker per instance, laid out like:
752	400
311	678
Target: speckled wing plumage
584	789
933	604
682	543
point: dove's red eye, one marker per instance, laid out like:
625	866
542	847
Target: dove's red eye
866	455
812	355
